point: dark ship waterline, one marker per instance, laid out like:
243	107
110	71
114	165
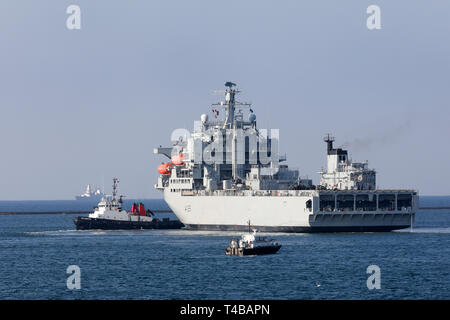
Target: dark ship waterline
86	223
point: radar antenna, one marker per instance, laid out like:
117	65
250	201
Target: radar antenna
230	84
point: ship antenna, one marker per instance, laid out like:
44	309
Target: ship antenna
329	140
230	101
115	186
230	104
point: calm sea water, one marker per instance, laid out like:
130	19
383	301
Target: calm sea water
178	264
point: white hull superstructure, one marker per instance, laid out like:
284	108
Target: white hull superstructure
223	193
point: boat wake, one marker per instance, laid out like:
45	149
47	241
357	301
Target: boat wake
425	230
74	232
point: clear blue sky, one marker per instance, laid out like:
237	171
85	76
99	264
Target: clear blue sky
77	106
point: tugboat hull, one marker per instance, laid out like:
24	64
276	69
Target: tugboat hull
252	251
86	223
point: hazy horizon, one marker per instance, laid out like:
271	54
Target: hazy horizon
84	106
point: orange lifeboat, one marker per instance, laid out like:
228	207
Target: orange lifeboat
164	168
178	159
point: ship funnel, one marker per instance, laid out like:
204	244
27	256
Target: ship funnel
141	209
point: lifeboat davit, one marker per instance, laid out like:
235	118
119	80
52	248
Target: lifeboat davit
178	159
164	168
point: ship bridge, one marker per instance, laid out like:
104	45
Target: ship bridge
344	174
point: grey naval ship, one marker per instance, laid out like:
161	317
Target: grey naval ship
228	171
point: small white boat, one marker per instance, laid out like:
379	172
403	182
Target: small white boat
250	244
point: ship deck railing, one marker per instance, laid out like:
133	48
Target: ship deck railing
368	191
361	211
287	193
268	193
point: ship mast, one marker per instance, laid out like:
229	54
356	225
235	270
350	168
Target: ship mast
231	122
329	140
115	187
229	105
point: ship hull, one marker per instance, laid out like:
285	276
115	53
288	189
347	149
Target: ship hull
277	214
86	223
252	251
296	229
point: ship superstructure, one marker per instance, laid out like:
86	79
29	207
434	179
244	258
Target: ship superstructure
91	193
229	171
344	174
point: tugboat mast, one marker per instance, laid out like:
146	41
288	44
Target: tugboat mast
115	187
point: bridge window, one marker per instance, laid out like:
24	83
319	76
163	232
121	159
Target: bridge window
386	202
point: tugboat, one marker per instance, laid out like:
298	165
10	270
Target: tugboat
250	245
109	215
